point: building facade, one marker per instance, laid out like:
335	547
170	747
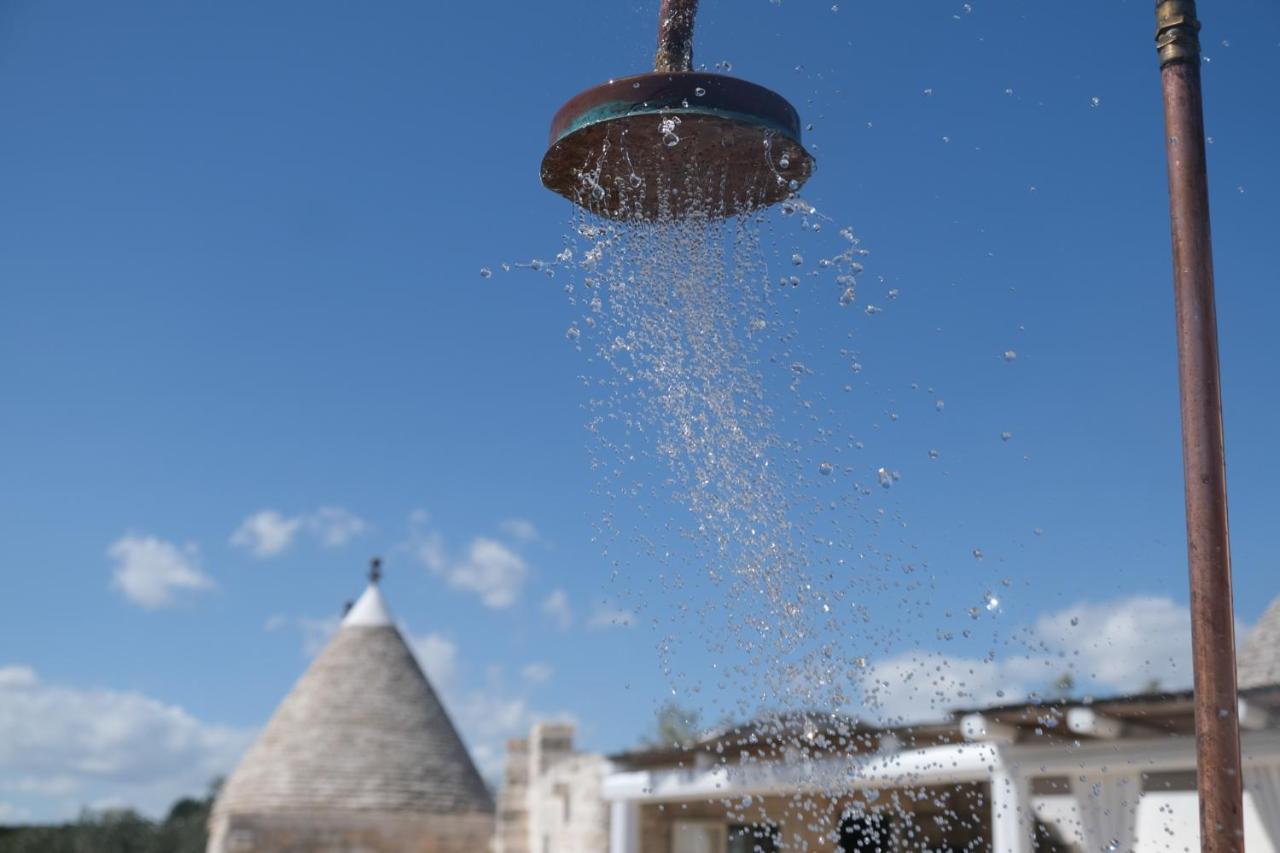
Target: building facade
1114	775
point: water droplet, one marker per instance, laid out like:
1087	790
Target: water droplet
934	454
928	92
572	333
784	163
977	553
485	272
824	468
700	92
939	405
991	601
1075	621
1093	102
797	259
886	478
848	296
1010	355
893	294
793	185
1006	436
871	310
856	367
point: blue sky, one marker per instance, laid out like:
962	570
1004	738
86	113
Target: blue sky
239	274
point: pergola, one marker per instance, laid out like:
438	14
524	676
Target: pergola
1104	750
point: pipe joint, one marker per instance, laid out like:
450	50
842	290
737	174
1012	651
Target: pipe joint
1177	32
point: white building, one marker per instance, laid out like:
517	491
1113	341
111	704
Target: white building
1115	774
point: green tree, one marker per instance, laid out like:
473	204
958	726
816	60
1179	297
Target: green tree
675	726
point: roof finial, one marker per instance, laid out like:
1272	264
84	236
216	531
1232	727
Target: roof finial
375	570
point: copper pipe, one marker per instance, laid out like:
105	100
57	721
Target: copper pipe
1204	464
675	35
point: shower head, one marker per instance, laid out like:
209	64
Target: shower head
675	143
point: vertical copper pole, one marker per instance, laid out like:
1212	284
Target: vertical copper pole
675	35
1203	459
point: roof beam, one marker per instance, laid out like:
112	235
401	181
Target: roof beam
1088	722
983	729
1253	717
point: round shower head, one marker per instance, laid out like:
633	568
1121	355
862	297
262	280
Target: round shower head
675	144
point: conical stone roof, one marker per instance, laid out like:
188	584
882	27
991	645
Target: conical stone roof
361	731
1259	659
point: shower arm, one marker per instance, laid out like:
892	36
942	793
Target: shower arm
675	36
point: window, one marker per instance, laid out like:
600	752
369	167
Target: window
865	834
753	838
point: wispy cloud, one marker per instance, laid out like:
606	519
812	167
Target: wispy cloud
73	746
1116	646
488	568
537	672
438	657
520	529
607	615
268	533
151	572
556	608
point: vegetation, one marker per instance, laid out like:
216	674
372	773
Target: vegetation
676	727
118	831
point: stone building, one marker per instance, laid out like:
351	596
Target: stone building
360	756
550	800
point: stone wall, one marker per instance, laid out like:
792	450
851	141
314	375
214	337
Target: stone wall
512	831
567	813
550	800
351	833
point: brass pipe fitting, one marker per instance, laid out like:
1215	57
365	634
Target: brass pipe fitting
1177	32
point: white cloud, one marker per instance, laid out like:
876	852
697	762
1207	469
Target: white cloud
438	657
1123	644
266	533
537	672
927	685
1114	646
429	549
556	608
335	526
520	529
62	747
316	633
17	676
490	569
606	615
11	814
150	572
269	533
